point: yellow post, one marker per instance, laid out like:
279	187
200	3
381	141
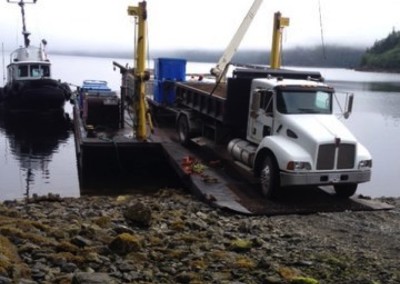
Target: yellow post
279	23
140	71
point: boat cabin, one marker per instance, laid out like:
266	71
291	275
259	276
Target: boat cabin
29	63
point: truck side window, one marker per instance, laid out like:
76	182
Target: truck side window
255	103
266	101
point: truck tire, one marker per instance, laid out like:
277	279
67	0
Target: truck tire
269	177
345	190
183	130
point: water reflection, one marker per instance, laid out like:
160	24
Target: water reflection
375	97
386	87
32	140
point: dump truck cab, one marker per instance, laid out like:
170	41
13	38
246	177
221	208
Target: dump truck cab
298	140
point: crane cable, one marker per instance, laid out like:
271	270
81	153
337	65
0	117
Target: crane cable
322	29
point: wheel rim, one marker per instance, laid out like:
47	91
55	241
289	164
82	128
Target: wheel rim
266	179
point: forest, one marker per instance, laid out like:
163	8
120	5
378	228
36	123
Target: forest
384	55
318	56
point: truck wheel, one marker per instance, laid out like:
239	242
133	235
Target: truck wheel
183	130
345	190
269	178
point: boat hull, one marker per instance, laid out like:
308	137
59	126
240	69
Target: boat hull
36	95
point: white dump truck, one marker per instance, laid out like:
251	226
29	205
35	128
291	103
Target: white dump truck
278	124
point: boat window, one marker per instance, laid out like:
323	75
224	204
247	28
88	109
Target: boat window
46	71
36	71
23	71
307	102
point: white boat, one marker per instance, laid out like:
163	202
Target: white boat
29	84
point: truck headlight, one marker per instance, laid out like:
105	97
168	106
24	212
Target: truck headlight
298	166
365	165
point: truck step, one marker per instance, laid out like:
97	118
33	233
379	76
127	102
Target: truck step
201	141
243	167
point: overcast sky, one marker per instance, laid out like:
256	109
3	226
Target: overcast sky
207	24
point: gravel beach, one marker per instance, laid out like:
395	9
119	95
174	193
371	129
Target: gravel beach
171	237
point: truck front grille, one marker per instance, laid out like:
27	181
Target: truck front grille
341	157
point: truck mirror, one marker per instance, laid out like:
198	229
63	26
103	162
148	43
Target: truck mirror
349	106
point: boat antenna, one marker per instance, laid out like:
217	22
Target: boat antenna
322	29
25	33
4	69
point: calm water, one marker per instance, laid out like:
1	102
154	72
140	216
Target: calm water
38	156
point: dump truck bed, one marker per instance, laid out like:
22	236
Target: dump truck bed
228	103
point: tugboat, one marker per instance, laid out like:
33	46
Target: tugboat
29	85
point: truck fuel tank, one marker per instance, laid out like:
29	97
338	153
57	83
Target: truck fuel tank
243	151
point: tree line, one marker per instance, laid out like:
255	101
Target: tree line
384	54
321	56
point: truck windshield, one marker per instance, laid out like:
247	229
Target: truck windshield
304	102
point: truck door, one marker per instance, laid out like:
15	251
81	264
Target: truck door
260	123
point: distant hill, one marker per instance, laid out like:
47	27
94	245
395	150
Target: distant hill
318	56
328	56
384	54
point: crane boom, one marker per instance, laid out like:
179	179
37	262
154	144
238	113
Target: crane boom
140	73
218	70
279	23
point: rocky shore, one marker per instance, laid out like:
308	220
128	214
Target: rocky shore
170	237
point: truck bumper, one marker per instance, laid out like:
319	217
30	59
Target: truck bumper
324	178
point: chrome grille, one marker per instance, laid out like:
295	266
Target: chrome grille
327	153
346	156
326	157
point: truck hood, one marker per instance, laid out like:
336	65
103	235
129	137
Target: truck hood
317	129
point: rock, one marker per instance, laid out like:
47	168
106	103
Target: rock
240	245
184	277
125	266
81	241
138	214
125	243
272	280
92	240
92	278
5	280
26	281
68	267
10	262
303	280
119	229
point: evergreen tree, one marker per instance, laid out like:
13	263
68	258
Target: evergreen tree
384	54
